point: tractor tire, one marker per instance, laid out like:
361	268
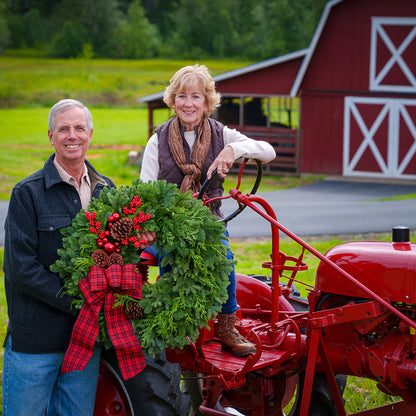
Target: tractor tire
156	390
193	389
322	403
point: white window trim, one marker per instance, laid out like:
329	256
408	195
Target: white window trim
377	32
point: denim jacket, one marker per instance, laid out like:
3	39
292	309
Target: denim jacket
40	317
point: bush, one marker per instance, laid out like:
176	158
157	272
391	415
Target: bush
69	42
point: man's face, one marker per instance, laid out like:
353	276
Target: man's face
71	136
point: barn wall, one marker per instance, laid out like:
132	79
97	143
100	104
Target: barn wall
321	133
274	80
339	67
341	61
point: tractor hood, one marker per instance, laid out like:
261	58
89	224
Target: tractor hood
387	268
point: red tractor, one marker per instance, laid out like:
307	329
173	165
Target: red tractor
358	319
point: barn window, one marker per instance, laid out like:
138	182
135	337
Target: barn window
393	60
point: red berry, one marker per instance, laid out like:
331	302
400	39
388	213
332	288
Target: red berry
116	216
109	248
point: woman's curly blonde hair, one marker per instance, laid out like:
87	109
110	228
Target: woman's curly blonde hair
193	76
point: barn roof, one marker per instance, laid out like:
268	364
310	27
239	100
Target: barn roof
240	72
312	46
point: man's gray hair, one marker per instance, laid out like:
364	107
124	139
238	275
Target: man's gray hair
64	105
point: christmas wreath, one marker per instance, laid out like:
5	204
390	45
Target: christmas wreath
108	235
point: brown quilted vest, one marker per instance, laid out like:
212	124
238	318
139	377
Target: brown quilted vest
169	170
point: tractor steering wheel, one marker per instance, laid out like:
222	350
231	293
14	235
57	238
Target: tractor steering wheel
256	185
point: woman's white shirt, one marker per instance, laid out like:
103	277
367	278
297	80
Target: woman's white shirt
243	147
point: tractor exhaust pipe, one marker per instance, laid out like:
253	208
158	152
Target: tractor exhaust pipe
400	234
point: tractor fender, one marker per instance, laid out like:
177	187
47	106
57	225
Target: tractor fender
253	293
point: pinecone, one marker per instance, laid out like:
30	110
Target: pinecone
100	258
134	311
121	229
115	258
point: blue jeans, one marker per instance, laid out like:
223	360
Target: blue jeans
33	383
230	305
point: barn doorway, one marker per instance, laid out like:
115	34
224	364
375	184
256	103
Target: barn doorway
379	137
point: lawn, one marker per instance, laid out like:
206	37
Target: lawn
24	145
40	82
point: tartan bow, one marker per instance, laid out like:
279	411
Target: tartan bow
100	287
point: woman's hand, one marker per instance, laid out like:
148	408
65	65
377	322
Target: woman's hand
222	163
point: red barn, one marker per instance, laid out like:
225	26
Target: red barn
357	86
354	87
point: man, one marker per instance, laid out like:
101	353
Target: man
40	317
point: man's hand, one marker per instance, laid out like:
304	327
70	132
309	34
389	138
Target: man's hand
150	236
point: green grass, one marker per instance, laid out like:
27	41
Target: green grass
40	82
24	146
399	197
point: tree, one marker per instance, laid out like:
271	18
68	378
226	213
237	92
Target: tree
136	38
69	41
100	19
208	30
194	29
4	30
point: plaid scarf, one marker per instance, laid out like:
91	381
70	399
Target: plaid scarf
192	170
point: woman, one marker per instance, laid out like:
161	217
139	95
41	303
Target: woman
187	149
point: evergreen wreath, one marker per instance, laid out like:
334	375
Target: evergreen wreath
186	297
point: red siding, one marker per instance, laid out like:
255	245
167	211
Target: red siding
342	55
339	67
321	133
274	80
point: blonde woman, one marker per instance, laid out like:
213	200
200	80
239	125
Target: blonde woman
186	150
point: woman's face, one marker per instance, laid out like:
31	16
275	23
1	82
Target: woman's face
190	106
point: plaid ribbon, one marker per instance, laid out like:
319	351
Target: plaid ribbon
100	287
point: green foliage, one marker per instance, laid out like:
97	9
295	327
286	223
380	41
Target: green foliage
69	41
185	297
4	30
255	29
136	38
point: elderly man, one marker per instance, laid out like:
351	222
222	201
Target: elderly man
40	317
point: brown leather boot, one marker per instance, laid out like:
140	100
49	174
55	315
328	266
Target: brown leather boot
230	338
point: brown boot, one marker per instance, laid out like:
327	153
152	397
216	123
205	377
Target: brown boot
230	338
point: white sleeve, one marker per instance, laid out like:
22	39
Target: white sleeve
244	147
150	162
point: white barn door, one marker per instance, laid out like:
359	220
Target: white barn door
380	133
379	137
